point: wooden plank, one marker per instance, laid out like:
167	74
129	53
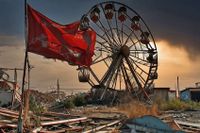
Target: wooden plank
63	121
42	118
8	125
56	114
55	131
78	129
6	121
197	125
103	126
8	115
190	128
36	130
3	110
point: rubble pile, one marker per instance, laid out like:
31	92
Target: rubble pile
94	119
41	97
188	121
73	114
48	122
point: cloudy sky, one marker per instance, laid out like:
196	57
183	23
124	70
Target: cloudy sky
175	25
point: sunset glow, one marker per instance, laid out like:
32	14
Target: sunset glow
173	62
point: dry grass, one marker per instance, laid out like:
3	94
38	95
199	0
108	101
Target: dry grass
135	109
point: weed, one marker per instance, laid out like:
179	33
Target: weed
79	100
68	103
136	109
177	104
36	107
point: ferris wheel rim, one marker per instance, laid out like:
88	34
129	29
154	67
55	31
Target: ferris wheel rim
129	9
151	65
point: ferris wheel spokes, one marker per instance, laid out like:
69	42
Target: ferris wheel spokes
125	56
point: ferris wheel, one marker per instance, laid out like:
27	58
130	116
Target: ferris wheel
125	56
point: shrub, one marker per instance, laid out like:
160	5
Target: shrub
35	107
177	104
79	100
68	103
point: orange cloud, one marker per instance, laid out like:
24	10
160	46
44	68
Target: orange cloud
173	62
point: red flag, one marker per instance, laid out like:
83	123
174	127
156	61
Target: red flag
63	42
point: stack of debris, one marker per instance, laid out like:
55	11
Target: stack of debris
97	119
48	122
188	121
132	117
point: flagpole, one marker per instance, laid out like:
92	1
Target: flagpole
20	120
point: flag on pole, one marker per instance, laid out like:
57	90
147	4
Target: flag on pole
62	42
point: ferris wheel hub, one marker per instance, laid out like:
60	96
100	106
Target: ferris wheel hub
125	51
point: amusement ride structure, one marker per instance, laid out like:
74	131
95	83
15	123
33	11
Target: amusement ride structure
125	57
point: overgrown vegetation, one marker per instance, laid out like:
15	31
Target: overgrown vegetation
35	107
68	103
136	108
77	100
177	104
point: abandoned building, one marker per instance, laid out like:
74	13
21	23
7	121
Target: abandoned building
161	93
6	93
192	93
172	94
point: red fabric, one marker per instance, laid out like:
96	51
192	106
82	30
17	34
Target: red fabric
63	42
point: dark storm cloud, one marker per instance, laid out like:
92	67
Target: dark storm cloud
11	22
11	17
177	21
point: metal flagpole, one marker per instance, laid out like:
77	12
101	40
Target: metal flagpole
20	120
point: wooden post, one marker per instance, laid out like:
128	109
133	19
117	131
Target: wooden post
14	87
177	88
58	89
20	121
27	97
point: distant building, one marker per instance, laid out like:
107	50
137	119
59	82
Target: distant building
197	84
6	94
172	94
161	94
192	93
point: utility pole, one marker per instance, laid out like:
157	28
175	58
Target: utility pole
14	87
58	89
177	88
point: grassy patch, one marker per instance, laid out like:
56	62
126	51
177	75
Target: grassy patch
177	104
